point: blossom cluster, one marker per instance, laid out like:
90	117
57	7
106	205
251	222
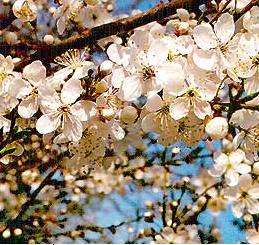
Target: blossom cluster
183	81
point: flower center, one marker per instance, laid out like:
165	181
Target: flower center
191	93
3	76
255	60
244	194
147	72
223	48
164	110
64	109
171	56
26	10
182	127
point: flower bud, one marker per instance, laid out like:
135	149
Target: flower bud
183	14
217	128
25	10
6	234
101	87
108	113
128	114
10	37
106	66
48	39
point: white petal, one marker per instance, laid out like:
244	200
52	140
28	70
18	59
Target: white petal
231	193
131	88
5	124
217	170
254	192
204	36
183	14
238	208
82	71
245	118
185	44
62	74
19	88
221	158
150	123
154	103
117	131
140	39
180	108
118	77
238	139
84	109
224	27
118	54
34	72
236	157
201	108
250	20
61	25
72	127
245	182
157	53
49	99
71	90
205	59
173	78
48	123
231	177
243	168
253	206
28	107
60	139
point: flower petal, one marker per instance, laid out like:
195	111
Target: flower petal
71	90
131	88
82	71
204	36
238	208
243	168
236	157
205	59
48	123
49	99
118	54
231	177
245	182
84	109
150	124
29	106
253	206
5	124
180	107
72	127
201	108
173	78
254	192
34	72
154	103
224	27
19	88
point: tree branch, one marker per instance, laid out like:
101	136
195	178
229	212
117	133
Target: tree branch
246	9
89	36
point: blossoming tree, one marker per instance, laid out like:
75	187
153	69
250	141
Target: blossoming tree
97	105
